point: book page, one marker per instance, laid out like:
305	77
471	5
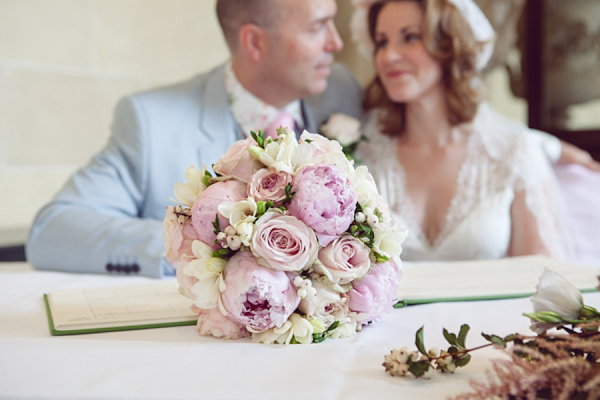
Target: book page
507	277
119	306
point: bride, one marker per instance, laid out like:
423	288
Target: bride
465	182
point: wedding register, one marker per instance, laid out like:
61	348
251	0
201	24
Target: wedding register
486	279
139	306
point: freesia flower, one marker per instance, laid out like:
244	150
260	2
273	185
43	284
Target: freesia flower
269	184
283	242
205	208
187	193
213	323
326	306
388	241
237	161
556	294
324	199
346	258
343	128
257	297
206	271
374	295
278	154
296	327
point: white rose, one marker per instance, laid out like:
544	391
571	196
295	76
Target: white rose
388	241
326	306
343	128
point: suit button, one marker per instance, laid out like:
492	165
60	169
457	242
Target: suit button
135	268
110	267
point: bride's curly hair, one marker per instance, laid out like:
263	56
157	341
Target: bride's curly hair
450	40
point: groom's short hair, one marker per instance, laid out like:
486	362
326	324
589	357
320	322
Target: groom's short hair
233	14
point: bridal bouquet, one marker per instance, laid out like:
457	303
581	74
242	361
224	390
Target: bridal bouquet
288	243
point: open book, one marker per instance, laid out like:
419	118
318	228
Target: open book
485	279
140	306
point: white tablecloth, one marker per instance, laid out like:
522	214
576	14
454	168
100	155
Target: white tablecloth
175	363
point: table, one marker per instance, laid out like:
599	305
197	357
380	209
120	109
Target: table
176	363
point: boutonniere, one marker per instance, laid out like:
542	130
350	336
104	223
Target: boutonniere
345	130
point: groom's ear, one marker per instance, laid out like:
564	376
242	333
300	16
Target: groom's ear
254	41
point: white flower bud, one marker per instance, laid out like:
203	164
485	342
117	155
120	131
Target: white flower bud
368	211
360	217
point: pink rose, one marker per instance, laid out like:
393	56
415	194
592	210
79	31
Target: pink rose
205	209
346	258
237	161
374	295
257	297
213	323
283	242
320	144
324	199
178	234
268	184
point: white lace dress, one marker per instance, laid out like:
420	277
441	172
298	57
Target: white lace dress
501	159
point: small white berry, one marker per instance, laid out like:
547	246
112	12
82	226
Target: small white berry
451	367
360	217
302	293
234	242
368	211
230	231
221	236
298	281
433	352
372	220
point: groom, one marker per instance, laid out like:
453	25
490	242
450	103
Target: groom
108	217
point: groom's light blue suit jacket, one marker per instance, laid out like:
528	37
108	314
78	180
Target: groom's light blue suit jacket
108	217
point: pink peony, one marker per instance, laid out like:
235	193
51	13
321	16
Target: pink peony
213	323
320	144
185	282
179	234
268	184
346	258
324	199
257	297
205	210
237	161
375	294
283	242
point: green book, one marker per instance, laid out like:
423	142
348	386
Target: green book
486	279
117	308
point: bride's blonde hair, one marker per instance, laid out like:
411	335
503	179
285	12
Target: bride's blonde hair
450	40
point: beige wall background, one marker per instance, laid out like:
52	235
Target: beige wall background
65	63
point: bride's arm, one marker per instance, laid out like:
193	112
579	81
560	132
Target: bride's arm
525	235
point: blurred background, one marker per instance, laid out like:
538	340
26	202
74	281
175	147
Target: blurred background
65	63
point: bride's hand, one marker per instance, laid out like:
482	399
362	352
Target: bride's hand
571	154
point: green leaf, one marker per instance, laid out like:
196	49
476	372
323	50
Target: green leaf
216	224
495	339
510	337
450	337
462	335
419	341
419	368
462	361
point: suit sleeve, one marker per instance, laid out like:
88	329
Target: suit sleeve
93	225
